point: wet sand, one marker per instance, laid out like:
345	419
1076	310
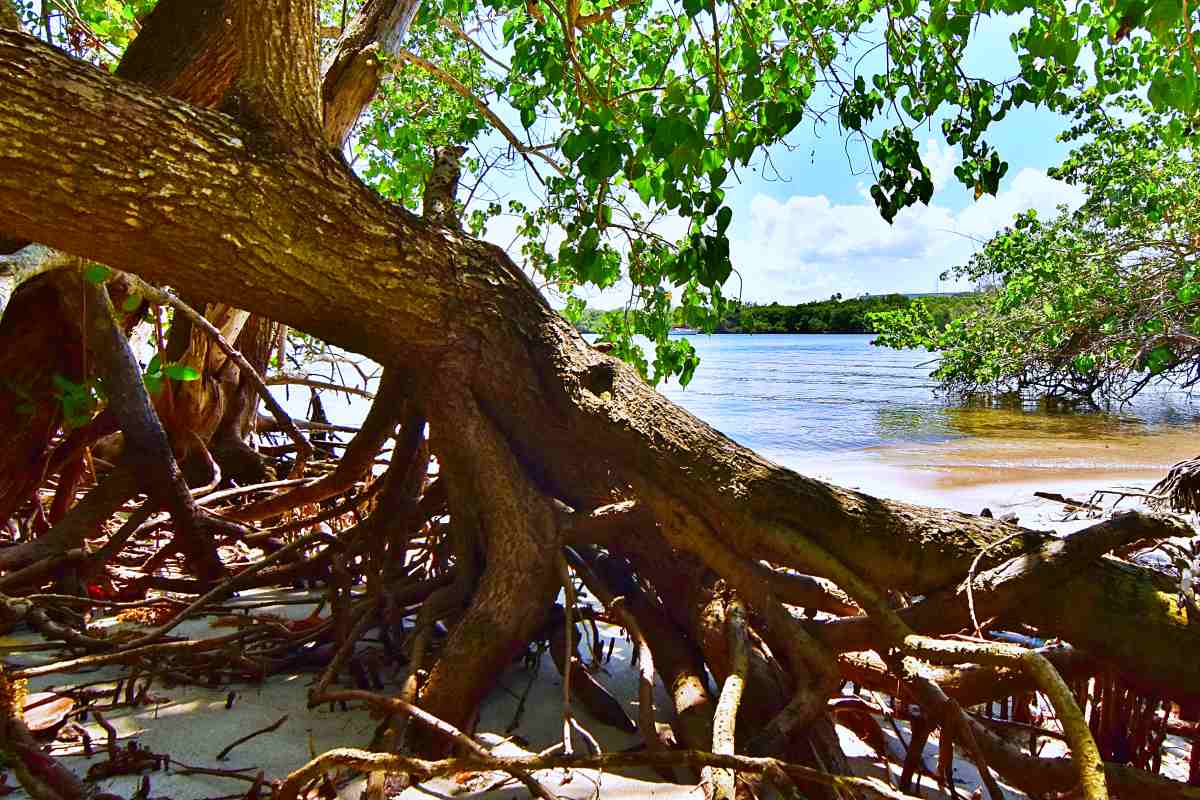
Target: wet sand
1001	465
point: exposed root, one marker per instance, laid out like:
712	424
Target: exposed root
731	698
422	770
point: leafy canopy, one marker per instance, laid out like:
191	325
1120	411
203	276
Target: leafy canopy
628	119
1095	303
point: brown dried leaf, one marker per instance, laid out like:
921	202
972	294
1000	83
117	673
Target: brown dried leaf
45	711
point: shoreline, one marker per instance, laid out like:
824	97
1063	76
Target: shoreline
1003	470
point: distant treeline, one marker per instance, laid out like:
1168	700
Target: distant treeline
835	315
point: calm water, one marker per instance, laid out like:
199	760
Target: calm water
795	396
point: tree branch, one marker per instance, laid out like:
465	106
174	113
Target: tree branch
352	71
459	87
304	450
209	155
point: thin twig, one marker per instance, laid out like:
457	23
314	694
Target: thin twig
971	576
272	727
304	450
288	378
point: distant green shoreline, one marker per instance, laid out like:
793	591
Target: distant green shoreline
835	315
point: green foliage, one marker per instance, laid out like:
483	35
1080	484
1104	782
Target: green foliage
646	111
836	315
157	373
79	401
1095	303
112	21
96	273
630	118
97	30
414	113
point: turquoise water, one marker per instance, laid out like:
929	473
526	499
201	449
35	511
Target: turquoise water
792	396
800	398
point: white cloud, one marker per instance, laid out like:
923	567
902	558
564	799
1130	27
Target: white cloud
809	247
941	161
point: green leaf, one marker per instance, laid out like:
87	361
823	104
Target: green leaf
96	273
181	372
1159	359
752	88
528	116
724	216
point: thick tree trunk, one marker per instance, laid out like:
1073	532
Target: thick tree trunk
535	429
219	209
193	52
193	57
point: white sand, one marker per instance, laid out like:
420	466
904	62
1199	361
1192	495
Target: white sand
191	724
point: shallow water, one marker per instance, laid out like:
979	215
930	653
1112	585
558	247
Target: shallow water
795	396
835	407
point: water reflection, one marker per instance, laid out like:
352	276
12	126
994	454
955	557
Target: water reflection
907	424
794	396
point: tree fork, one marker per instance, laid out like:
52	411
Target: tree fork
514	520
542	386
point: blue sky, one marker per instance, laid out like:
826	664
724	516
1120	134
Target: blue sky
807	228
817	232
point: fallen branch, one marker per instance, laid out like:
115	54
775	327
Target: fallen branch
123	656
1067	501
423	770
274	726
304	450
398	706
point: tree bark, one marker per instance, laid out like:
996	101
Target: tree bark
39	345
192	51
255	205
353	70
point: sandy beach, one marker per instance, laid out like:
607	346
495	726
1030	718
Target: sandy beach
1001	467
999	470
